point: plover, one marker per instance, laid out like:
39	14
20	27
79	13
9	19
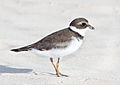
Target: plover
60	43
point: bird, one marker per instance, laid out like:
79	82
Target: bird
60	43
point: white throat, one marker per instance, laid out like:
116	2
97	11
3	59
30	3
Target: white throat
80	31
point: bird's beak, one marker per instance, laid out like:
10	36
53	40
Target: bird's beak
91	27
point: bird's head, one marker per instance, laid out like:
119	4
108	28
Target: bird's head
80	25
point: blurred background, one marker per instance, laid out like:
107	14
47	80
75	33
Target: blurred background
23	22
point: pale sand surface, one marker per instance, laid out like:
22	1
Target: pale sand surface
23	22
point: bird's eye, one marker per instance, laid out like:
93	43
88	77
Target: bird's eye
83	24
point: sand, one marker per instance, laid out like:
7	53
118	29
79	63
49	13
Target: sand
23	22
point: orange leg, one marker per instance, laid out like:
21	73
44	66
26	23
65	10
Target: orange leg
57	67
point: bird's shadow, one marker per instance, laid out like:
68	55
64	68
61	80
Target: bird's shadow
6	69
51	74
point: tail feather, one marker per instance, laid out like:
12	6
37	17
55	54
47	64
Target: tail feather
26	48
15	50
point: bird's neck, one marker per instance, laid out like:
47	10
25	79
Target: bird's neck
80	31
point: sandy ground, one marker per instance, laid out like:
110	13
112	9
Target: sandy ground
23	22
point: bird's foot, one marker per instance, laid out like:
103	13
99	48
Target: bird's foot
63	75
60	74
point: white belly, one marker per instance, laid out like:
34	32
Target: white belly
73	46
